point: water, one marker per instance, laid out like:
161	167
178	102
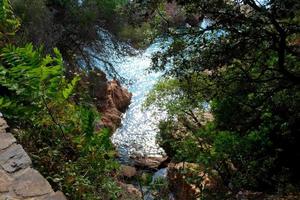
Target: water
137	134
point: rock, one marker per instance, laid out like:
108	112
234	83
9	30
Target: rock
248	195
116	102
295	196
12	198
3	125
132	191
6	139
110	97
160	174
128	171
5	182
110	118
184	190
31	184
56	196
119	95
14	158
16	184
97	84
149	162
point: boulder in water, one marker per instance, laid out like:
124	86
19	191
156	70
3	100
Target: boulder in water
149	162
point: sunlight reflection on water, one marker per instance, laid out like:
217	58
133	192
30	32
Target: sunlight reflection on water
137	135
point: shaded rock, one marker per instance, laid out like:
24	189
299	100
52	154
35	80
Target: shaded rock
160	174
249	195
109	96
119	95
179	173
20	184
5	182
128	171
31	184
96	83
3	125
14	158
131	190
6	139
149	162
295	196
110	118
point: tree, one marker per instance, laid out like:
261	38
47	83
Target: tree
73	27
8	22
241	57
56	129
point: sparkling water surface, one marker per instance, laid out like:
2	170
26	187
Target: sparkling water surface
137	134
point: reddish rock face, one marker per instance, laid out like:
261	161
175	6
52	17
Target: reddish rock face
119	95
110	97
116	102
179	174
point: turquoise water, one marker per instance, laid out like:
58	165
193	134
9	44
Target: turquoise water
137	135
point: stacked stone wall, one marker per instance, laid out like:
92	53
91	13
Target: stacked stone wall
18	180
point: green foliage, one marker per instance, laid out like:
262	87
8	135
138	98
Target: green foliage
66	148
160	189
8	22
54	127
72	26
27	76
243	63
109	7
136	36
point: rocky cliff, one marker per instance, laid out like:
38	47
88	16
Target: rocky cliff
116	103
111	98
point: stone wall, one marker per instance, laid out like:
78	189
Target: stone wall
18	180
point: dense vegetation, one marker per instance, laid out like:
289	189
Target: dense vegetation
230	87
70	25
54	117
240	61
